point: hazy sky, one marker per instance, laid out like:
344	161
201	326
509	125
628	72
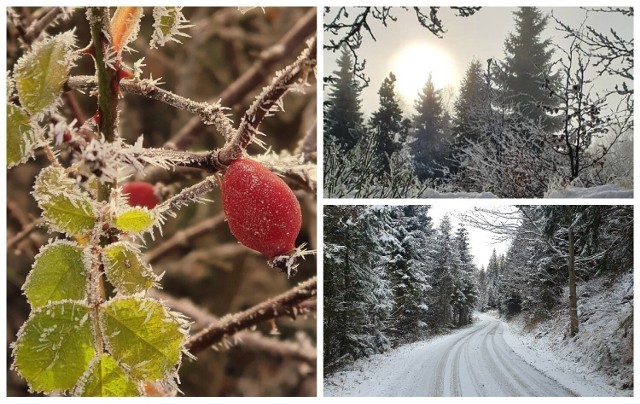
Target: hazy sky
481	36
482	242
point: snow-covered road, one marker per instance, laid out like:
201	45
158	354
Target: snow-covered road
475	361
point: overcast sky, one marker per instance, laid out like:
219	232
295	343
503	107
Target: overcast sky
482	242
481	36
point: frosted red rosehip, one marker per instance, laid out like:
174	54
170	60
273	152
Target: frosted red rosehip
262	211
140	194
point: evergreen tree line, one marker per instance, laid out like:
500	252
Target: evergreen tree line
390	278
553	248
518	125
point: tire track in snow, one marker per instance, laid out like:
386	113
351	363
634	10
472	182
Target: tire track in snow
510	369
437	386
499	377
521	370
479	386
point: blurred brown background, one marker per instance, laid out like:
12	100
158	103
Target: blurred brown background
213	271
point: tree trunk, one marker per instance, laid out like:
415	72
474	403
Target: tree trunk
573	298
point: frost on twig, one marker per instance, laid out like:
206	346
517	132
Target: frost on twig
287	303
291	78
188	196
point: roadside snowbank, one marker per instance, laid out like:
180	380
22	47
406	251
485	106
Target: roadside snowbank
602	191
601	353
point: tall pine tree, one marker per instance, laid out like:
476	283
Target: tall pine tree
343	116
387	123
468	107
429	146
465	292
528	65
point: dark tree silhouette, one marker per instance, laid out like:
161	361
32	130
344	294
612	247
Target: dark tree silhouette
343	115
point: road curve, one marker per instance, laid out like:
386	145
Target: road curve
472	362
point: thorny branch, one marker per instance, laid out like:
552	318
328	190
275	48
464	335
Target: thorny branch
250	340
107	97
251	78
270	98
285	304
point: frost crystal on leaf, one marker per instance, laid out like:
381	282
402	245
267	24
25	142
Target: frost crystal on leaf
22	136
167	24
41	73
125	25
144	335
53	348
64	205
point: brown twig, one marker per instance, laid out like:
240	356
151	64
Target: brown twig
281	305
251	78
183	237
267	100
24	233
250	340
209	113
38	26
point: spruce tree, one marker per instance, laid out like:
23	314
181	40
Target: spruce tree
357	295
387	123
528	66
472	99
445	263
343	116
465	292
429	123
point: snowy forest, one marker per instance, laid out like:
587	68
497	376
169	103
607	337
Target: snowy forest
392	277
530	123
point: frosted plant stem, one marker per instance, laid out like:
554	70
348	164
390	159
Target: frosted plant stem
287	303
269	98
252	78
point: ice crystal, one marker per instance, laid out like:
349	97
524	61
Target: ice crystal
168	22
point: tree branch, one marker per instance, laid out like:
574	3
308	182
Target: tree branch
251	78
24	233
250	340
183	238
266	102
287	303
38	26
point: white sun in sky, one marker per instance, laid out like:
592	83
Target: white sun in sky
412	65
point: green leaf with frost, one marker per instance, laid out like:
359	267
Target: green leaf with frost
54	346
41	73
105	378
22	136
143	336
135	220
167	25
64	206
125	269
58	274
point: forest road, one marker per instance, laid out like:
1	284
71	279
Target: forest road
475	361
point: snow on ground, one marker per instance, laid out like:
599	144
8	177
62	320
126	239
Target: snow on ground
602	191
601	354
433	194
473	361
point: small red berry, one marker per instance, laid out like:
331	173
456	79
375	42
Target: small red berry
140	194
262	211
